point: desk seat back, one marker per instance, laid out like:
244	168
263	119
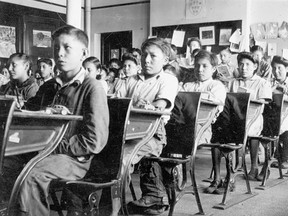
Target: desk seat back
273	116
181	128
7	106
106	165
231	124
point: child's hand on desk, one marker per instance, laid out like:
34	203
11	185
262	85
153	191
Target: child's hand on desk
19	101
144	104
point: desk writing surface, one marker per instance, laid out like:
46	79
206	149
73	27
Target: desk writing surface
33	131
142	121
207	110
43	115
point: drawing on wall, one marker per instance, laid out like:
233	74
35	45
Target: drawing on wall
41	38
115	53
195	9
224	36
207	35
7	41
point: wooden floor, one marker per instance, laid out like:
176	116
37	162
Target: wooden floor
269	202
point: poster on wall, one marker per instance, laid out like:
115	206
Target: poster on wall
115	53
224	36
195	9
41	38
7	41
207	35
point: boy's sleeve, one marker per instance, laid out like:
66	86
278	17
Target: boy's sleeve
265	91
218	92
168	90
93	133
31	92
122	89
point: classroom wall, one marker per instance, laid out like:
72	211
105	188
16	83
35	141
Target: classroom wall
172	12
58	6
121	18
271	11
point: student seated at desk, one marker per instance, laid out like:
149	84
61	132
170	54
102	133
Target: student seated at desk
130	68
225	56
280	85
151	88
259	89
83	140
213	90
21	85
45	95
264	68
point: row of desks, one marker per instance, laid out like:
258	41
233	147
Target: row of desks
33	131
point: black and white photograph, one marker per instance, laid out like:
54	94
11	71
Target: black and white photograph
207	35
143	107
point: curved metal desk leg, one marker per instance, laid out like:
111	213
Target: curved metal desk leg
246	175
195	189
228	159
30	165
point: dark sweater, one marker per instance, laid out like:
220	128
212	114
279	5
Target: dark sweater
89	100
24	90
44	96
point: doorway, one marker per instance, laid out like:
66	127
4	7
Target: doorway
114	45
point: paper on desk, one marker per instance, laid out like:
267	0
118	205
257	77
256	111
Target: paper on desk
178	38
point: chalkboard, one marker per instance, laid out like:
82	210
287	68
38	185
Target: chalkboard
192	30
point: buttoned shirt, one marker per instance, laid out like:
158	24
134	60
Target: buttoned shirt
213	89
162	86
276	83
258	87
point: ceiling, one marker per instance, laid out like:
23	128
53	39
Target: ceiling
96	3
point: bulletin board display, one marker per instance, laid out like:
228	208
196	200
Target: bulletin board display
194	30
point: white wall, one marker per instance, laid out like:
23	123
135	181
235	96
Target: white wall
270	11
41	5
133	18
172	12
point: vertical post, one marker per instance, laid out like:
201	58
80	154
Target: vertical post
73	12
87	20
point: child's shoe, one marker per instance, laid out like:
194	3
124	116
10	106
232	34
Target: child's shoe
213	186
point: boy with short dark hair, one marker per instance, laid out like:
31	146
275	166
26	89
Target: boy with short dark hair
264	68
82	96
280	85
157	89
21	85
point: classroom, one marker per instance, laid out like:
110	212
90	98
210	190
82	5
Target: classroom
143	107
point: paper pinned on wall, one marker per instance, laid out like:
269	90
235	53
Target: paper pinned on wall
262	44
285	53
272	49
178	38
236	37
